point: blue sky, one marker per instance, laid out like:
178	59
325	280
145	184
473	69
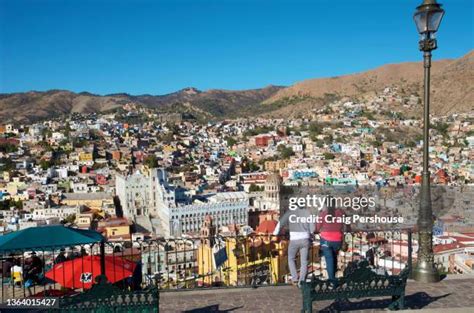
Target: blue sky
157	47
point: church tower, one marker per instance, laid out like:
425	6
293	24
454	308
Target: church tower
208	231
272	192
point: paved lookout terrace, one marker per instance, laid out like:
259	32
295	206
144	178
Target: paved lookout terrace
454	294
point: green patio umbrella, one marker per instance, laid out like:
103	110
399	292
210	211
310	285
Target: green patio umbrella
47	237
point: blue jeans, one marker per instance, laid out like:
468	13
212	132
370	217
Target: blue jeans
330	251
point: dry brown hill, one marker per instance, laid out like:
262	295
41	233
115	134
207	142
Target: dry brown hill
452	84
33	106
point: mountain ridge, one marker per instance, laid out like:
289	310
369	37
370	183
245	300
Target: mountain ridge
452	91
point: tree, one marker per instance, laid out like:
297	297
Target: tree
46	133
79	142
230	141
249	166
377	143
315	128
285	152
6	164
7	204
253	167
329	139
329	156
254	188
368	115
97	166
8	148
70	219
166	137
45	164
441	127
151	161
257	131
63	142
67	129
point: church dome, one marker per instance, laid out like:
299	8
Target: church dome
272	186
273	179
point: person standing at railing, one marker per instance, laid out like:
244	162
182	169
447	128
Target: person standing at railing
331	231
33	268
73	253
7	266
17	273
61	257
301	230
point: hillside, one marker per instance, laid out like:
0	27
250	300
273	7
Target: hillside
452	91
34	106
451	86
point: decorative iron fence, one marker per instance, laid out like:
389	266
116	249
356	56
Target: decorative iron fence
189	263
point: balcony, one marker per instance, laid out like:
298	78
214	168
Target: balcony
238	273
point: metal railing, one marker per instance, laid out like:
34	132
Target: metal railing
190	263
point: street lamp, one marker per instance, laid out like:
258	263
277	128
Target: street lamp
427	18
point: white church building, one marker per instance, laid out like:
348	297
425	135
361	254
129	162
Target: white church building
150	201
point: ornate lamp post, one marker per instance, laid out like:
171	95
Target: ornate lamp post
427	18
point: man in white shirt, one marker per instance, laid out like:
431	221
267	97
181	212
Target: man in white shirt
301	230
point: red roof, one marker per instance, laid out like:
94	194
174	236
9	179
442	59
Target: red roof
462	239
267	227
11	141
441	173
113	221
447	247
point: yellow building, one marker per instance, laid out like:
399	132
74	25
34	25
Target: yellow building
86	156
12	189
19	197
95	201
115	228
68	146
15	186
84	220
250	260
169	148
274	166
122	231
